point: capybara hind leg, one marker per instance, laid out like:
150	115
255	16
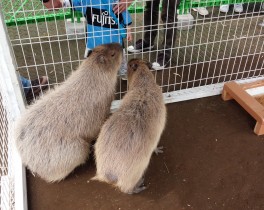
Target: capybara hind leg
137	190
70	157
64	170
140	182
59	176
134	188
139	187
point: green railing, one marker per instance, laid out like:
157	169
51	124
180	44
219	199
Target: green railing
185	6
32	11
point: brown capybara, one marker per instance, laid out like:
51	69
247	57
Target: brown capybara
53	135
129	137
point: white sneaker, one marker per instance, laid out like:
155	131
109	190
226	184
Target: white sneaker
261	24
238	8
87	52
224	8
140	46
201	10
157	66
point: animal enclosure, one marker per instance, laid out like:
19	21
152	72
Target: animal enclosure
217	48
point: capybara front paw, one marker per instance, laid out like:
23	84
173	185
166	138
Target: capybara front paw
158	150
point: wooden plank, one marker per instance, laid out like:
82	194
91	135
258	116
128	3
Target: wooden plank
259	128
252	85
249	103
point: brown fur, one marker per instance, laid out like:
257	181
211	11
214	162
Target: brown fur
129	137
53	135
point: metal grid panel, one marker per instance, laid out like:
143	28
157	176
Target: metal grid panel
12	188
4	139
6	173
16	16
219	47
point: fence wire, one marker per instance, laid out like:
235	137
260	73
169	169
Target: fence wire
7	200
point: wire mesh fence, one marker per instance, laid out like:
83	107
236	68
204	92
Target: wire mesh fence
6	172
217	47
208	50
12	174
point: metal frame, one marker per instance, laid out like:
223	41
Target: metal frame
9	82
14	105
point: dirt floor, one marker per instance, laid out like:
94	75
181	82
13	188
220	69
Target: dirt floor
212	160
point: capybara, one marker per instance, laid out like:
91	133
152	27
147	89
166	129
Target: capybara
129	137
53	135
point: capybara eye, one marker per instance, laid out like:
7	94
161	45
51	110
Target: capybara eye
113	54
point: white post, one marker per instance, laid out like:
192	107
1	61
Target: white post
11	89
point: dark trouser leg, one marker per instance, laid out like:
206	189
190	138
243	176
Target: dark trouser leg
169	19
151	17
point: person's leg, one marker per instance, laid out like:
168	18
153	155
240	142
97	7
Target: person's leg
25	84
32	88
123	68
151	17
169	19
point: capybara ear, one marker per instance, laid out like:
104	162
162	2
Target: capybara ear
101	59
134	66
149	64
